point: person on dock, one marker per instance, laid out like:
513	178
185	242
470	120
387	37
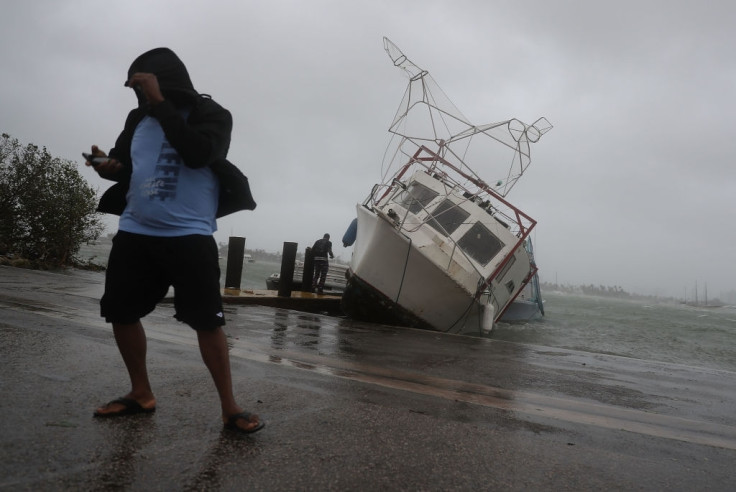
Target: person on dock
168	194
320	250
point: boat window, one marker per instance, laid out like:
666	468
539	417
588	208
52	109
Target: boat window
480	244
416	197
506	268
447	217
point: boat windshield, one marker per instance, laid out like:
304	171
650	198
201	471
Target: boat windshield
447	217
416	197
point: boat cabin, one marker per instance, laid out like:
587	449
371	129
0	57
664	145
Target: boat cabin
465	233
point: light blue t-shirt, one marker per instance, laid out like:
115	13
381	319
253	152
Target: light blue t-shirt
166	198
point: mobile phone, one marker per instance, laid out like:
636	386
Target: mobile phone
95	160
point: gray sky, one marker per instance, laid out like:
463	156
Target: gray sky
633	187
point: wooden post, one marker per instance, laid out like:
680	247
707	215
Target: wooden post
308	272
234	268
286	277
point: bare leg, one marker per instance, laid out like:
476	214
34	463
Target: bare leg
132	344
214	350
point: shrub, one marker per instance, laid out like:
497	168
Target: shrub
47	209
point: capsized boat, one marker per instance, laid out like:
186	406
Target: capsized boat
437	247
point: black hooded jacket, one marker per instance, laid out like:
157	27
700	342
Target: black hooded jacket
202	139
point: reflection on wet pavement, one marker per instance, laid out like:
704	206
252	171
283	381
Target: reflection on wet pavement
536	382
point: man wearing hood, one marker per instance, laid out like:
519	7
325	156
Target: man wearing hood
169	162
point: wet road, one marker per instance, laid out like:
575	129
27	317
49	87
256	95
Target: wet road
348	406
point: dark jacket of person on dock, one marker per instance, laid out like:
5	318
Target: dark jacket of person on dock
168	196
320	250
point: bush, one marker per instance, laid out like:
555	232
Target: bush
47	209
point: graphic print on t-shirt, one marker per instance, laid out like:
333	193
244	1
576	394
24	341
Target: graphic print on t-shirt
162	185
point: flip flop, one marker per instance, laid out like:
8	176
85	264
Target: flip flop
232	422
130	407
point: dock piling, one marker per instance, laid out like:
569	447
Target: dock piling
234	268
308	270
286	277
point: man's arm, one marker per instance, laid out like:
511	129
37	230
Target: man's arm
119	167
200	139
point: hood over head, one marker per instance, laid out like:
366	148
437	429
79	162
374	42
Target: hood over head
172	75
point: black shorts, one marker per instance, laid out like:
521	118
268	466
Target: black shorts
142	268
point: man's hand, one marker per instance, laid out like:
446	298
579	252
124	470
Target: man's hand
105	169
147	83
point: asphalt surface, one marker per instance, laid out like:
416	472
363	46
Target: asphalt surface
348	406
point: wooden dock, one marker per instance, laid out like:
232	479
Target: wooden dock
298	301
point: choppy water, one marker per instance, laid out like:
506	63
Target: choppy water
665	332
254	274
700	337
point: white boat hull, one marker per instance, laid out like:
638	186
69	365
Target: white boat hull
395	280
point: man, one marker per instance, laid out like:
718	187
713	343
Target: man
168	196
320	250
